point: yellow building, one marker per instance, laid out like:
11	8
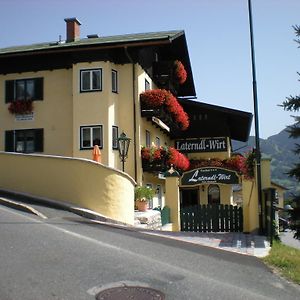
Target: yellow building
64	97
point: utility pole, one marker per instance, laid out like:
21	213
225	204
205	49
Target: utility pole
257	143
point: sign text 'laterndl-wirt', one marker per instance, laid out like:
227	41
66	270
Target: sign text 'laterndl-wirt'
202	145
209	175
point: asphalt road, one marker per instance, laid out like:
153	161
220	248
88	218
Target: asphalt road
68	257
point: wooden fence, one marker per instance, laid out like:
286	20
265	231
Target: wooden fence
212	218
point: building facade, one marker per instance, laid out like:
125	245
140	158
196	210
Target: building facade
64	97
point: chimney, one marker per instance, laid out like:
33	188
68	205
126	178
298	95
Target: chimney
73	29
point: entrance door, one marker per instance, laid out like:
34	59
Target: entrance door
189	197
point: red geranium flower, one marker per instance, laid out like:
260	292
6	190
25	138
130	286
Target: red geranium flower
20	107
145	152
153	98
180	72
239	163
169	155
159	98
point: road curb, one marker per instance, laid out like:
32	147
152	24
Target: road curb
21	206
19	200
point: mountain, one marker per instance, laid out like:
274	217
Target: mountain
280	148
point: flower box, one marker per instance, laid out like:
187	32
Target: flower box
243	165
180	74
153	167
169	74
160	159
164	105
20	107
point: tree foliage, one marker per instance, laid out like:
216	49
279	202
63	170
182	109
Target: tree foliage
292	103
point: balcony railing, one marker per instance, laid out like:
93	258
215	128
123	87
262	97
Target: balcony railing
162	115
154	166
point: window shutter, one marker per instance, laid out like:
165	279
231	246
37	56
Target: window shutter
39	89
9	91
39	140
9	141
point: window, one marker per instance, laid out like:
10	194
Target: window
157	141
159	195
213	194
150	203
148	138
91	80
91	136
147	85
24	141
115	135
114	81
24	89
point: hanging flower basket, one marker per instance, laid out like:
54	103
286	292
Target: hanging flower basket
160	98
244	165
20	107
161	158
180	73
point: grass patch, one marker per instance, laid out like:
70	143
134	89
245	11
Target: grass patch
286	260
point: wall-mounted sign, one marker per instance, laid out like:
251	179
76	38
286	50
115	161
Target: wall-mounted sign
24	117
209	175
202	145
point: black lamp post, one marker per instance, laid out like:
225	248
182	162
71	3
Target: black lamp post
255	102
123	143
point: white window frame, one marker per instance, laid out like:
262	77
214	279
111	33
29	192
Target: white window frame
115	135
150	202
114	81
159	195
91	127
90	71
148	138
147	85
157	141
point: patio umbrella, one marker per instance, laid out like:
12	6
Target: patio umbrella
97	154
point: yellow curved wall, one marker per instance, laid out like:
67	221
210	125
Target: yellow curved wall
76	181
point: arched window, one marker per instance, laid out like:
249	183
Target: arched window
213	194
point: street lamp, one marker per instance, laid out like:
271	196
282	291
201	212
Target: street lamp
256	122
123	143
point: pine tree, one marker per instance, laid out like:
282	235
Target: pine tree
292	104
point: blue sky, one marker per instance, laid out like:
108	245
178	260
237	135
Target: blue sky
217	33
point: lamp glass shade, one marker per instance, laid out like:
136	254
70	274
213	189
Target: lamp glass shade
123	142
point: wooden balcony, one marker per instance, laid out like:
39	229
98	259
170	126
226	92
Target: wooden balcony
163	75
162	115
154	166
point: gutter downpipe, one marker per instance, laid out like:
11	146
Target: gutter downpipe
134	110
257	142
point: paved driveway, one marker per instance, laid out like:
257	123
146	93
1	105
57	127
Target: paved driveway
287	238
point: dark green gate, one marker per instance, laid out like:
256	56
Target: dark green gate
212	218
268	213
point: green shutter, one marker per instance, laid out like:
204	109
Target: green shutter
39	140
9	141
9	90
39	89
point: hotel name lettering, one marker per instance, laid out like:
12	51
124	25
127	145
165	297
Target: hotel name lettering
202	145
209	175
